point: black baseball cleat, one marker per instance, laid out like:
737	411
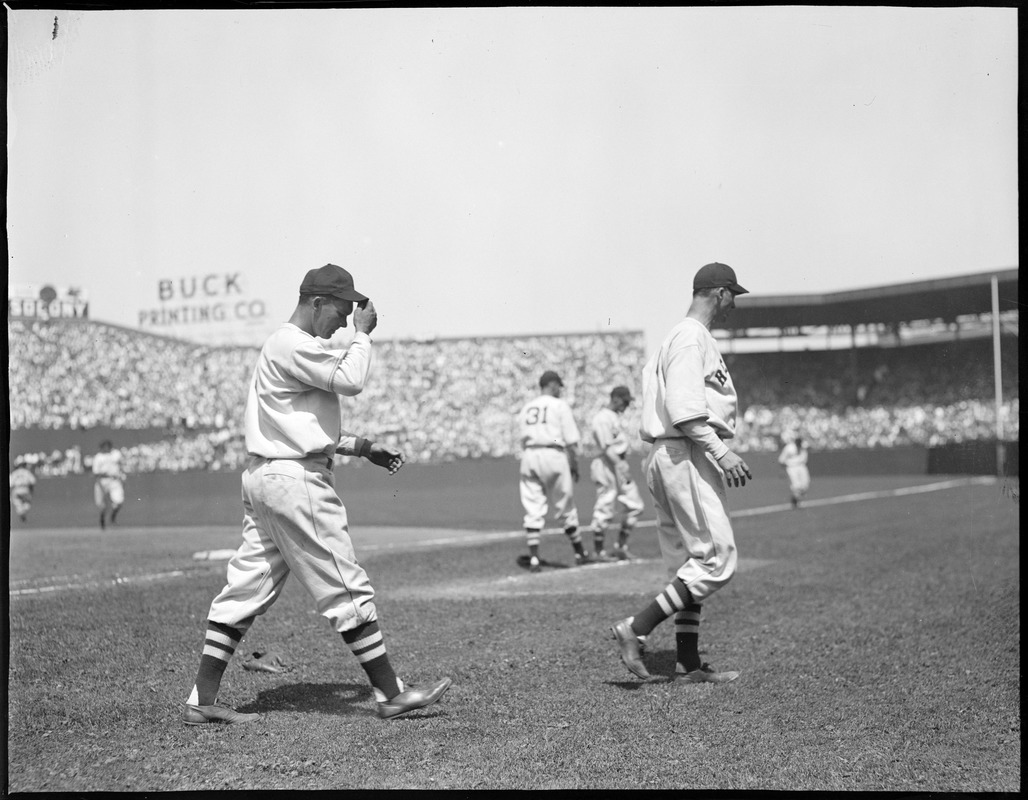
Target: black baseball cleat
413	699
628	643
215	715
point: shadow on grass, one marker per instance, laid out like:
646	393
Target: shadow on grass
661	666
339	699
523	562
336	699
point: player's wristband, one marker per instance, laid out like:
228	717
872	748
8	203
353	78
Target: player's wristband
362	447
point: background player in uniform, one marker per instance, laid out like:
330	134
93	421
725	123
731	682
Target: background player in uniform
23	486
616	492
794	459
109	486
549	466
293	520
688	409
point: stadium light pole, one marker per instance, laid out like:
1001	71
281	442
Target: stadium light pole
998	376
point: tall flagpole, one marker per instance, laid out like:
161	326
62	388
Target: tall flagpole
997	369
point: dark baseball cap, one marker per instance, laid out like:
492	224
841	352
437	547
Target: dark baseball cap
623	392
332	281
549	377
712	276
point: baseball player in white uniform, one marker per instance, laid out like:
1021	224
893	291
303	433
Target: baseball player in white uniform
688	411
23	486
549	467
293	519
794	459
109	486
616	492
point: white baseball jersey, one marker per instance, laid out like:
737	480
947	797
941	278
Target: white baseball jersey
22	480
292	410
686	379
548	421
108	465
607	432
793	456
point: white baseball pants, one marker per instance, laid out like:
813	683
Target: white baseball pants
294	522
799	479
693	525
108	492
613	497
546	476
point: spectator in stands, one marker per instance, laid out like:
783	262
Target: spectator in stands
144	381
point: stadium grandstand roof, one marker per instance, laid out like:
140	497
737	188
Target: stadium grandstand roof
938	299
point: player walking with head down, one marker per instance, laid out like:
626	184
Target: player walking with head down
688	409
549	466
293	520
616	492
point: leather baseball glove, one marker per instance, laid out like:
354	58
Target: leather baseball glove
265	662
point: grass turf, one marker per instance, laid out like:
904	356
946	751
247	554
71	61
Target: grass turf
878	643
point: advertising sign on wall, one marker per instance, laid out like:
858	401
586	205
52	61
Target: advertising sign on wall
34	301
214	307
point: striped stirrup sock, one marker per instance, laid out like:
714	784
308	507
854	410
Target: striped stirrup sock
219	645
366	642
687	636
675	597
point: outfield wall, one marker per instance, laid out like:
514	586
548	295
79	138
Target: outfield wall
462	494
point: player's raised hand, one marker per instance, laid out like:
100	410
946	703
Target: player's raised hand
735	469
365	318
390	458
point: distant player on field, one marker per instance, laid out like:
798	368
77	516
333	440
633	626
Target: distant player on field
109	484
794	459
549	467
616	492
23	486
293	520
688	410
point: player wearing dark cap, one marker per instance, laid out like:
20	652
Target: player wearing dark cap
688	411
293	520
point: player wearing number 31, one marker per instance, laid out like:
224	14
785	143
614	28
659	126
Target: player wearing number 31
688	410
549	466
293	520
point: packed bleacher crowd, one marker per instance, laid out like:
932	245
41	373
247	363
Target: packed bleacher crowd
458	398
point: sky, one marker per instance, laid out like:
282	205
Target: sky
502	171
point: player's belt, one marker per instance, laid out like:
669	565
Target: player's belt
320	459
549	446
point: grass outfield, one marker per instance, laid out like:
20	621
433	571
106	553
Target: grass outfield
878	636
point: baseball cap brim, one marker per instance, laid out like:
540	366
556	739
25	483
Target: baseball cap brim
351	294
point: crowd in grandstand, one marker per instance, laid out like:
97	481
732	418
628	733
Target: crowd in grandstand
457	398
